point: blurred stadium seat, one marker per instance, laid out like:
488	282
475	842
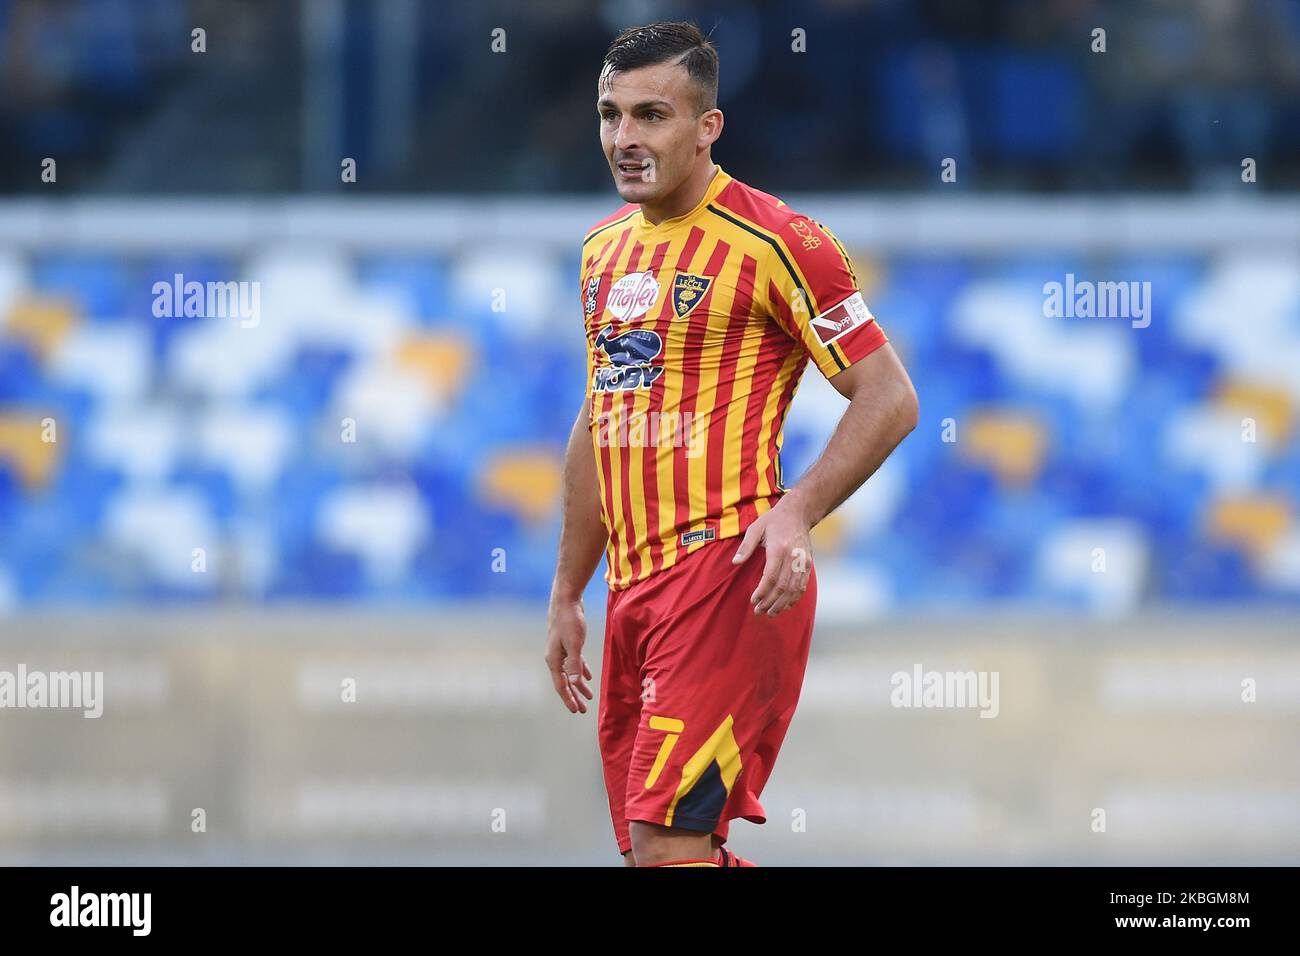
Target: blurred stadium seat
462	385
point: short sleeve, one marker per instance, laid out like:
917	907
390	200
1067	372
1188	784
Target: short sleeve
587	289
813	294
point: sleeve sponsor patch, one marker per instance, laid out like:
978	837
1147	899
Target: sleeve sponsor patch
841	319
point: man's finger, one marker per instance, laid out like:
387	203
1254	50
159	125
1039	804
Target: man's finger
794	590
771	574
562	685
789	598
581	682
581	688
574	679
753	535
776	596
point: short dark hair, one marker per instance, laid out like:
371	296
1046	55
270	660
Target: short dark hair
663	41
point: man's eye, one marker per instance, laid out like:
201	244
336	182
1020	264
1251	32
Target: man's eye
652	115
609	116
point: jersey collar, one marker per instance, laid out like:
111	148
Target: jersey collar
716	185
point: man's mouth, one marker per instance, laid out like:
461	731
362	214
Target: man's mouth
633	168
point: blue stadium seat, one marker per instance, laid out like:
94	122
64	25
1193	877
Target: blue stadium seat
422	280
99	284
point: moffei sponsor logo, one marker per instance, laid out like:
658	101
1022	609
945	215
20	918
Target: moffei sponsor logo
955	690
632	295
59	690
77	909
1083	299
214	300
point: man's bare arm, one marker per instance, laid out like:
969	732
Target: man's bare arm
582	541
882	410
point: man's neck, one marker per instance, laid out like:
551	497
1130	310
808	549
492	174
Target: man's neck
682	199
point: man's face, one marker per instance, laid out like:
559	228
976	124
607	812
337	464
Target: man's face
649	128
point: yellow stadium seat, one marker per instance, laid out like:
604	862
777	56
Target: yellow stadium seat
41	323
526	481
441	361
22	444
1255	523
1012	444
1269	407
828	537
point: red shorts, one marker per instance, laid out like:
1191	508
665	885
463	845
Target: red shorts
696	692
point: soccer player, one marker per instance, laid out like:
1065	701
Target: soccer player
704	301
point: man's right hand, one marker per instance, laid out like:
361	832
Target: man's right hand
566	632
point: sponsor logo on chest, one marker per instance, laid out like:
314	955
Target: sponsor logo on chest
632	295
631	354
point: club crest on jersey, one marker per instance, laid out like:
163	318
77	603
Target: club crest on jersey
630	353
593	290
841	319
632	295
688	290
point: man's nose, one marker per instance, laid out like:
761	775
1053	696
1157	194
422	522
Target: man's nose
625	138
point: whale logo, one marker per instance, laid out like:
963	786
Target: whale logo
630	353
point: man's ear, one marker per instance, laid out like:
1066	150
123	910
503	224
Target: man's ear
710	127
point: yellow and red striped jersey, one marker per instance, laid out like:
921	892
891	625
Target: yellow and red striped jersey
699	329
